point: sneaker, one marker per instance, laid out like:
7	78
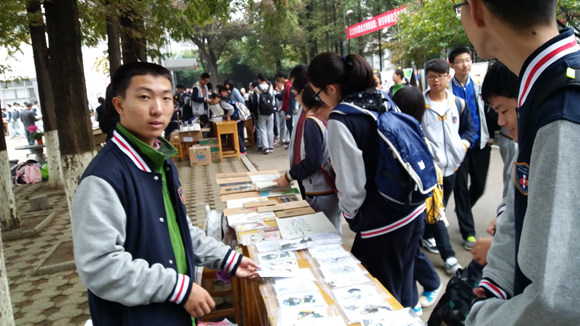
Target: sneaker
430	245
266	151
243	153
468	244
429	298
418	309
286	147
451	265
271	150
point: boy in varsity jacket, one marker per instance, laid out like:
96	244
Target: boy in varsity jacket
135	247
525	37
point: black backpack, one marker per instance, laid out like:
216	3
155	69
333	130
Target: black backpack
265	101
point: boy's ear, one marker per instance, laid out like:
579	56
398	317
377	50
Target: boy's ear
118	104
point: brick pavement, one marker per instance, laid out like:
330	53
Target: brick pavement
60	298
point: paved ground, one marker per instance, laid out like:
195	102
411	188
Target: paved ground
484	210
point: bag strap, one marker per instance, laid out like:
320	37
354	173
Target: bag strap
558	83
460	106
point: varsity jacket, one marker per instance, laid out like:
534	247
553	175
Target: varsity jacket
354	152
199	95
122	246
315	155
483	130
450	133
546	276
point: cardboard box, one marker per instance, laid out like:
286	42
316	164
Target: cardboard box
199	155
208	141
214	148
189	136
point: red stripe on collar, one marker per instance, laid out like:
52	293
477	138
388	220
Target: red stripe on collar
545	59
126	148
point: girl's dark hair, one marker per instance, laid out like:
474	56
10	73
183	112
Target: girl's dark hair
352	73
411	101
309	98
223	89
230	84
300	82
400	72
109	108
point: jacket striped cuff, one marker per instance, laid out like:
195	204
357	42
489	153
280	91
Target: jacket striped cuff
288	177
181	291
493	290
231	262
394	226
347	215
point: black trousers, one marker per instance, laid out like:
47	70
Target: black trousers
391	259
425	273
241	136
473	170
289	124
438	231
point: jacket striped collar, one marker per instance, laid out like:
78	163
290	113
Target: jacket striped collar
126	147
458	84
542	58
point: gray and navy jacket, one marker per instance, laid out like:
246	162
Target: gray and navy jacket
546	274
483	129
450	132
314	156
354	152
122	247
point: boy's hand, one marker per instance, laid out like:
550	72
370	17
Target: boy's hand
480	249
491	227
247	269
479	292
199	302
282	182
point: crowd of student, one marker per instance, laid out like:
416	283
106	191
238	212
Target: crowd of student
529	272
20	118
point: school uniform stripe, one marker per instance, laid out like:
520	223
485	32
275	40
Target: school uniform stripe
232	261
501	210
347	215
180	289
126	148
394	226
496	290
545	59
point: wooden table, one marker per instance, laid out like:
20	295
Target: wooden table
228	128
36	150
6	131
254	306
249	125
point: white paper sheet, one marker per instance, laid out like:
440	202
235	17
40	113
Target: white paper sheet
290	316
286	288
234	220
280	268
237	203
341	270
304	225
303	299
264	177
273	256
302	275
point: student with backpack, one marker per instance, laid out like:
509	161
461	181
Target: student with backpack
388	229
309	155
264	106
410	100
546	278
449	128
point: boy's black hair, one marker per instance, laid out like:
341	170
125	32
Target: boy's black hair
35	102
205	75
101	100
499	81
255	83
438	66
400	72
180	86
298	70
215	95
457	51
126	72
204	118
411	101
283	75
28	105
222	88
523	14
262	77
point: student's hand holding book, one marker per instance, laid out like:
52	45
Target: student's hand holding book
199	302
247	269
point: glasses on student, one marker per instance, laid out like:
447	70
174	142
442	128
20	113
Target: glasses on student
436	77
460	62
317	95
457	8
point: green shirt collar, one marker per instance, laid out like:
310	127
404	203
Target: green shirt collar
157	157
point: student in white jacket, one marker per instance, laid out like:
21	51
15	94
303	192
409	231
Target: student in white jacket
449	127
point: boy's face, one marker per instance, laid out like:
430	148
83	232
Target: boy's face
437	82
507	115
216	100
225	93
462	64
147	107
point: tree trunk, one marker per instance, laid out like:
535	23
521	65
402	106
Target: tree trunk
6	314
9	217
41	63
278	66
132	39
68	82
113	35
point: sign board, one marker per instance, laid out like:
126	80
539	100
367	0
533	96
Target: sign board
376	23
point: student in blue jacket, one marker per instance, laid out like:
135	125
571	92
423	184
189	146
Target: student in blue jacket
135	247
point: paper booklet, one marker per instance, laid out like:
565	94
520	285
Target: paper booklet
305	225
279	268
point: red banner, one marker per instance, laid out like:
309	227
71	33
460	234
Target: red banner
376	23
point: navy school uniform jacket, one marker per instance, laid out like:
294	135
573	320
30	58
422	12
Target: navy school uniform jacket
123	250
